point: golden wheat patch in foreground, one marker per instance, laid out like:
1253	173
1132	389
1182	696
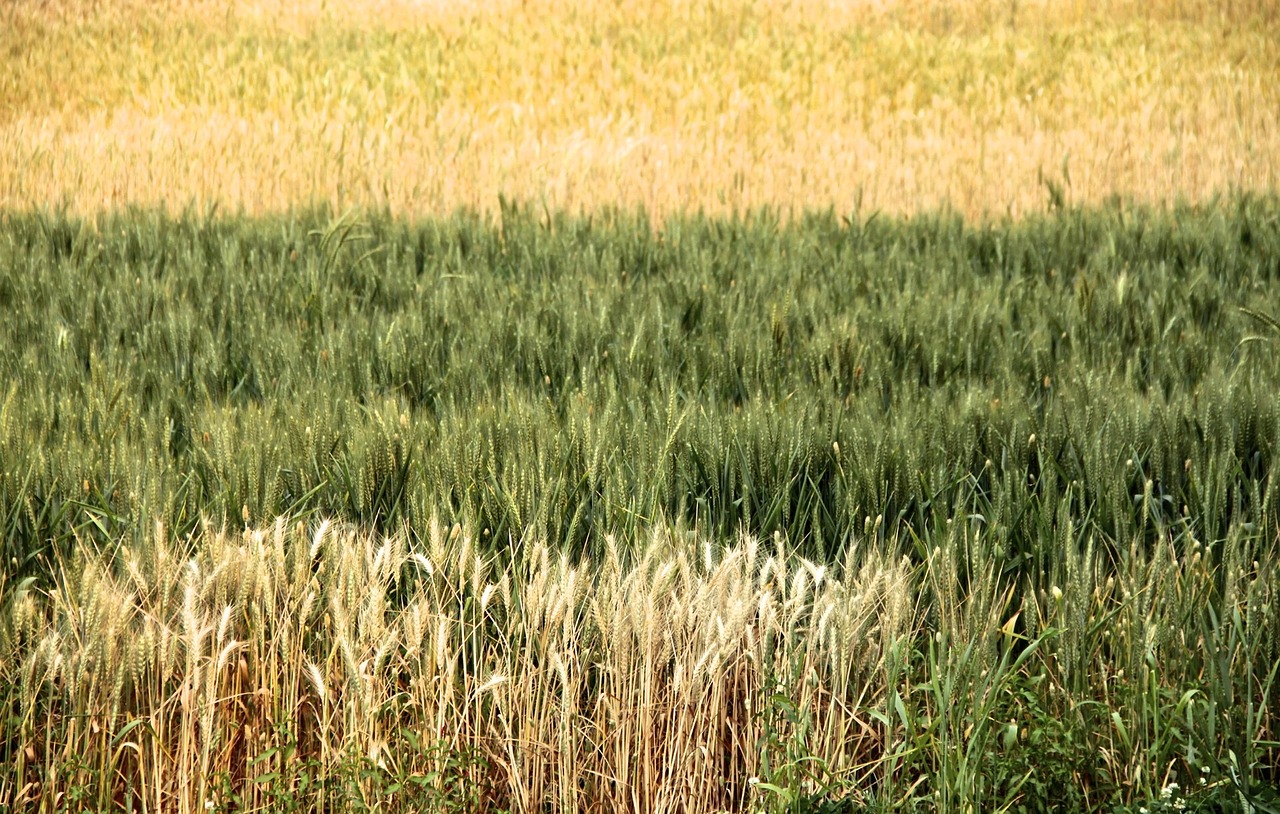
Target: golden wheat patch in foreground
634	685
209	673
424	107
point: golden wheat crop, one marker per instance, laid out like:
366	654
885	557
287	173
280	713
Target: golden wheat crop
424	107
245	671
635	683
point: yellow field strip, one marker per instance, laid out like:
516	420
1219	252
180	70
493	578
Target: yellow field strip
424	107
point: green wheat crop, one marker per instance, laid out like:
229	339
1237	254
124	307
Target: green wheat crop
742	513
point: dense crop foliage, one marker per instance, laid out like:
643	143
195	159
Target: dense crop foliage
665	488
753	512
572	378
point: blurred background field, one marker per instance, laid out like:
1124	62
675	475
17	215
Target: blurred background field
425	107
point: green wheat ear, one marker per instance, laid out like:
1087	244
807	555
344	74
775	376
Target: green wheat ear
1265	319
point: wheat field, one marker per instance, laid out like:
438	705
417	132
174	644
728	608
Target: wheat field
420	108
780	406
316	669
306	514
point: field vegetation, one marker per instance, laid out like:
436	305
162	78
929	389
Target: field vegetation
724	106
777	406
818	514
